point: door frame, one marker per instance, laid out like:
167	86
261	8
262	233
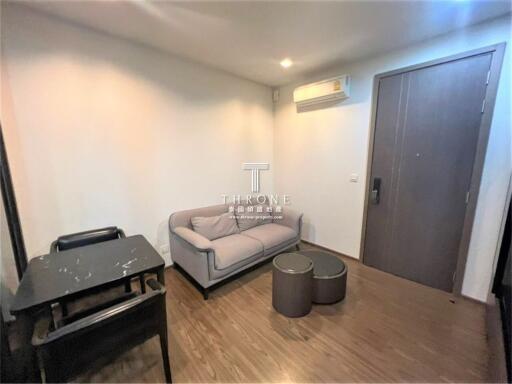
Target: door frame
497	51
11	211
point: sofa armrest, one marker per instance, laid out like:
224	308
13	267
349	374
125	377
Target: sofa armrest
291	219
199	242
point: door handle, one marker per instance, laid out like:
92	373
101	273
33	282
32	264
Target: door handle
375	194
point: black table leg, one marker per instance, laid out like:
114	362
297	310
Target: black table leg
160	276
127	286
27	356
142	283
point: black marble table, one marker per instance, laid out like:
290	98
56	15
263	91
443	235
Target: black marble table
80	271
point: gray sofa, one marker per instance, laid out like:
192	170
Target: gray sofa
209	262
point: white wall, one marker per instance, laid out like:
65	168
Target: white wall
101	131
316	151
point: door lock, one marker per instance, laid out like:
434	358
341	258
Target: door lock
375	194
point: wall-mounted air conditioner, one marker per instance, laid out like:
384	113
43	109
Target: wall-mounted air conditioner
330	90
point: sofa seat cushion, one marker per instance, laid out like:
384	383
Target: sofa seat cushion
235	249
271	235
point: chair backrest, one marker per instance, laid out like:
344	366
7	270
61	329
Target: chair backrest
80	239
94	339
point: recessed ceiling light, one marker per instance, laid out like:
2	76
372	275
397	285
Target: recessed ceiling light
286	63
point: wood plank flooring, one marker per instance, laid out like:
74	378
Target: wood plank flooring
387	329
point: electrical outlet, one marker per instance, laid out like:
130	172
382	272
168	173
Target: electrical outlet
164	249
354	178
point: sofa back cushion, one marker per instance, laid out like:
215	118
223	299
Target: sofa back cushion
215	227
252	215
184	218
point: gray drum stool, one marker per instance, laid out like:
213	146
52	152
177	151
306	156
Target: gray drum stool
292	283
329	277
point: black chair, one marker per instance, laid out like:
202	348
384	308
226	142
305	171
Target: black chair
98	337
80	239
7	362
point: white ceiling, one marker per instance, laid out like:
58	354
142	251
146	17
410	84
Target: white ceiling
250	38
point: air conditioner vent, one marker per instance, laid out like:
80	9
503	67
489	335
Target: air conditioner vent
336	88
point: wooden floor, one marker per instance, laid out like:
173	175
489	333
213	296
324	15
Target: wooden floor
386	330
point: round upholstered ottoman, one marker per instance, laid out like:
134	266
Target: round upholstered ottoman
292	283
329	277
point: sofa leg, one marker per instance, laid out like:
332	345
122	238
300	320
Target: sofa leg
206	292
297	247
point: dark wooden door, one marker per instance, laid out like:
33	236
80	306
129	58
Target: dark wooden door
426	133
